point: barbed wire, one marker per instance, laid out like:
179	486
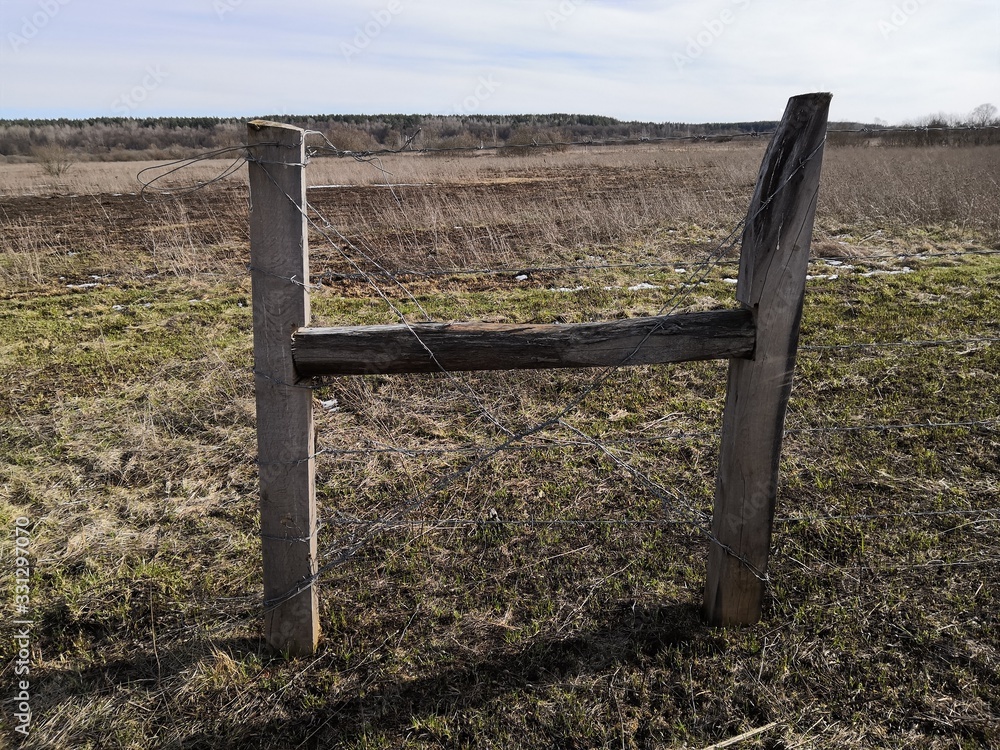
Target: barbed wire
510	270
636	440
520	447
180	165
602	443
327	230
893	427
400	273
705	267
450	523
912	256
697	519
473	450
481	455
824	566
931	343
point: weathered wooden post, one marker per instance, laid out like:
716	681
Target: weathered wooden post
279	262
771	284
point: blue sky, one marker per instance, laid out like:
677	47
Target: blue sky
721	60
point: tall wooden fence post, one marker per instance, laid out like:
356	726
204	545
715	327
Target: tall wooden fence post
279	261
771	284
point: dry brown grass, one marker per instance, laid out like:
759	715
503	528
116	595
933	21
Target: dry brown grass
128	440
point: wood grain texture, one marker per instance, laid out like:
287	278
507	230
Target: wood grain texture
771	285
279	251
485	346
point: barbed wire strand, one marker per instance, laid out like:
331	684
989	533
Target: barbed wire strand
323	230
373	160
931	343
449	524
179	165
414	452
894	427
330	276
667	496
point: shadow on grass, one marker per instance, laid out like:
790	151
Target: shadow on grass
475	681
627	637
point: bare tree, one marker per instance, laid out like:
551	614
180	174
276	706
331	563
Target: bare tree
984	114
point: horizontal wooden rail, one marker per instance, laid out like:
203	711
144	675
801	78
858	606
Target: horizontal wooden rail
384	349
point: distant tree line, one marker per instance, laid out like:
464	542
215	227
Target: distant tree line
122	138
981	127
106	138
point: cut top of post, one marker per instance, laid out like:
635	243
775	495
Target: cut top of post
262	124
792	160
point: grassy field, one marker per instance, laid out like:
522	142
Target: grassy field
547	599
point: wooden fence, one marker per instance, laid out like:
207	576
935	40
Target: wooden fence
759	339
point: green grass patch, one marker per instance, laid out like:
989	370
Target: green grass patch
483	619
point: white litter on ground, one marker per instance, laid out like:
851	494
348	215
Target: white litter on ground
641	286
881	272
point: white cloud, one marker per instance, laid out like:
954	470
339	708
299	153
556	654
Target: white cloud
746	57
